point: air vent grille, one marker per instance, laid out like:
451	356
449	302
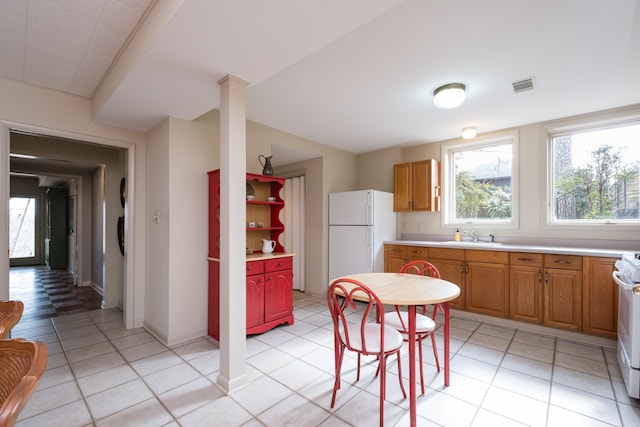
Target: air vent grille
522	85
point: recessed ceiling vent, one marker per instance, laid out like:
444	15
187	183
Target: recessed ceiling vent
522	85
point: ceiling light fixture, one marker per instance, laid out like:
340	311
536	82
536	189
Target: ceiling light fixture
469	133
449	96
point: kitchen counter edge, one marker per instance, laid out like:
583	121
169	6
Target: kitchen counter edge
612	253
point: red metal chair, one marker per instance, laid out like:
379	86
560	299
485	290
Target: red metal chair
10	314
425	325
350	305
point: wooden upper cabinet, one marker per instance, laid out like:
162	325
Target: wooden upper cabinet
416	186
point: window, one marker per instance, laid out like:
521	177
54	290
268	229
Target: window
480	179
594	175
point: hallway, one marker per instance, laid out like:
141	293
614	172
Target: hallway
49	293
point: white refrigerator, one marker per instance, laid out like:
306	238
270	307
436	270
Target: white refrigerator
359	223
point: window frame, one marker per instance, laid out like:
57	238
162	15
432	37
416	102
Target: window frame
448	176
569	128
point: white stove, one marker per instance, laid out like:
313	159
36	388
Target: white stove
628	279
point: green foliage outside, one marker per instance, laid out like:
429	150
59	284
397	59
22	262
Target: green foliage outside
481	199
599	190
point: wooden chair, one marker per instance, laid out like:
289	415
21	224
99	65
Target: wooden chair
354	330
425	325
22	364
10	314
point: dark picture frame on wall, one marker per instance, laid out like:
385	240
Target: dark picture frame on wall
123	188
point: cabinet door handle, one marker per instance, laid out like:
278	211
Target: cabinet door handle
466	271
416	251
562	261
546	277
525	259
539	276
461	268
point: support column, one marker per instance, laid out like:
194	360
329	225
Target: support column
233	167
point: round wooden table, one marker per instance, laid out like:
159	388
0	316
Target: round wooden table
412	290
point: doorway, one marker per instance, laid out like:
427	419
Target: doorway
115	160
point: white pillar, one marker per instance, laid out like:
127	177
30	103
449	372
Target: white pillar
233	167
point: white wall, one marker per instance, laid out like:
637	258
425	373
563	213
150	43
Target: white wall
157	194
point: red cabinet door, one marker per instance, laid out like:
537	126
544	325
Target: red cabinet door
278	297
255	300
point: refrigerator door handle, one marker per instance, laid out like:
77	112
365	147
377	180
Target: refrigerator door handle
369	246
369	208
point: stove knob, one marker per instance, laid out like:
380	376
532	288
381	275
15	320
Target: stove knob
636	289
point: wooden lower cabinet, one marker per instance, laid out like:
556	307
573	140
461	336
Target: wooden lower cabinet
599	297
395	256
450	264
563	291
525	287
487	282
570	292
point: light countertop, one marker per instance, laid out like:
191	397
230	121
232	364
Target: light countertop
563	250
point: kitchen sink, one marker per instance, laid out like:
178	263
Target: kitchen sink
471	243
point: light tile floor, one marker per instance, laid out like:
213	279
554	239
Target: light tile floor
100	374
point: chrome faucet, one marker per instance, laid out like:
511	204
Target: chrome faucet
474	235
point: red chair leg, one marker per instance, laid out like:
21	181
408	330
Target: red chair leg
404	393
421	365
435	351
336	385
383	387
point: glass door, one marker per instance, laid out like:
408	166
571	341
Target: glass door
22	230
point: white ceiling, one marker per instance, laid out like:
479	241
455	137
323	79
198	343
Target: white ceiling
354	74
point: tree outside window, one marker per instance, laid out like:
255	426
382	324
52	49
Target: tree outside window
596	175
483	183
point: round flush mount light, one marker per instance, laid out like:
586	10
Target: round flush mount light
449	96
469	133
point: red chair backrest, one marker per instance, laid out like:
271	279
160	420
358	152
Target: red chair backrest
348	298
421	267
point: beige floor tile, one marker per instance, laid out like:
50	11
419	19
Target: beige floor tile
583	382
155	363
486	418
149	413
262	394
224	410
587	404
74	414
527	366
118	398
171	377
109	378
446	410
560	417
517	382
536	340
96	364
532	351
515	406
190	396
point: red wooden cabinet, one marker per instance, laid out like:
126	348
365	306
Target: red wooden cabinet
269	282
